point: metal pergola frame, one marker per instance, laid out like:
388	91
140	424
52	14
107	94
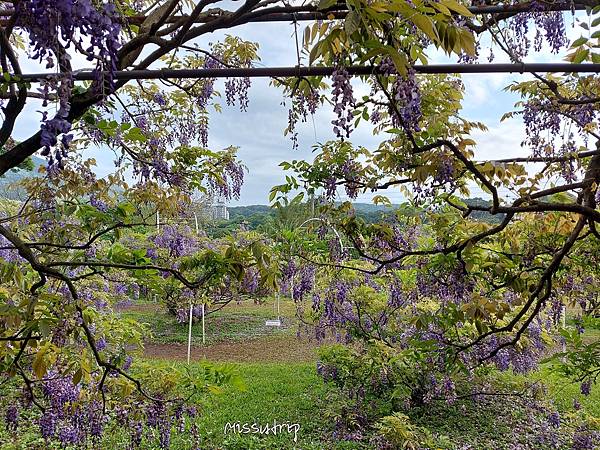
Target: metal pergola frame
339	11
305	71
308	13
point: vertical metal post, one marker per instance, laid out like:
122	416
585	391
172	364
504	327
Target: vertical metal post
189	349
203	329
564	324
157	222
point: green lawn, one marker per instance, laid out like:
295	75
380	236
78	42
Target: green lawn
292	393
234	323
504	422
282	392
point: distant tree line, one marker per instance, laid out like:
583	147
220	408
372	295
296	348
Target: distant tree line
264	218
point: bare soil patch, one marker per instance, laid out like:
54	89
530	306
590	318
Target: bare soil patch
279	348
141	307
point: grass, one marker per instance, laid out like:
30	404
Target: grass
234	323
282	392
506	421
563	393
484	425
291	392
285	393
294	393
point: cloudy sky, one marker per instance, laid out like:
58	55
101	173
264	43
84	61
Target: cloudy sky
259	131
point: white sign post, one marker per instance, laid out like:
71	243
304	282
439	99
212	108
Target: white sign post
189	349
276	322
196	222
203	330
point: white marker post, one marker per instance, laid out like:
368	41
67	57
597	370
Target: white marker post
564	325
197	229
203	330
190	335
275	322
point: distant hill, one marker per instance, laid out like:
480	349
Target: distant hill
482	215
13	176
370	207
247	211
253	215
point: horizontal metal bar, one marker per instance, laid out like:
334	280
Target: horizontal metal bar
308	13
254	72
339	12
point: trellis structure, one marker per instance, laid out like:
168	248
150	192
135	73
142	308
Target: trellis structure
310	13
307	71
54	264
338	11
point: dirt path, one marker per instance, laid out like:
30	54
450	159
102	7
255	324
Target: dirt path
142	308
283	348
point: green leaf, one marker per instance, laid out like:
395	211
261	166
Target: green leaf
381	200
457	7
425	24
580	55
325	4
77	376
399	59
579	42
352	22
441	8
44	327
306	35
39	363
135	134
315	52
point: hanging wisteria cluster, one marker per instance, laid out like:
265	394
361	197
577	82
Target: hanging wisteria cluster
549	27
343	103
78	26
550	130
405	101
58	125
68	421
346	312
177	242
301	106
229	186
416	301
